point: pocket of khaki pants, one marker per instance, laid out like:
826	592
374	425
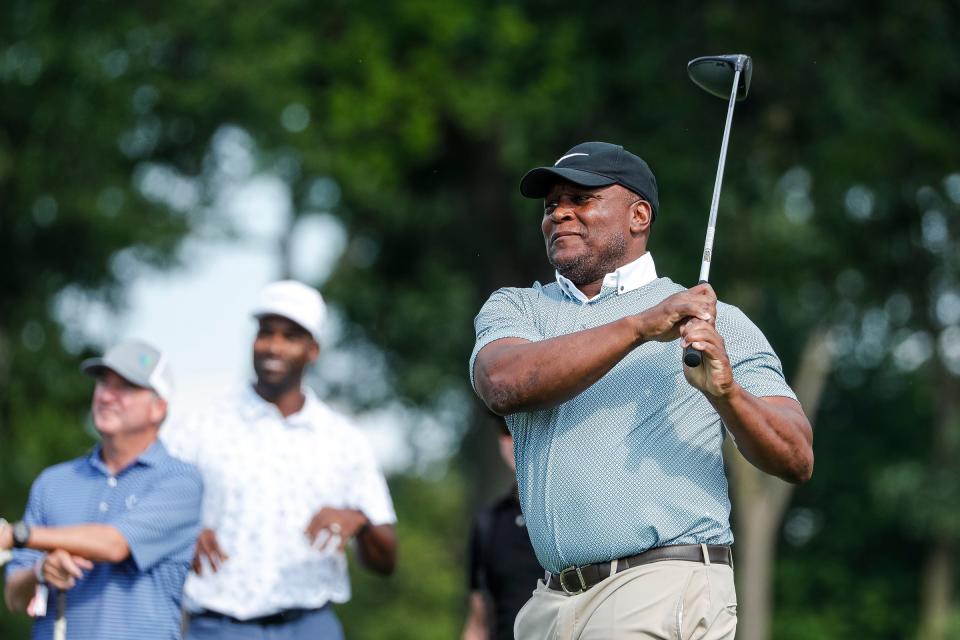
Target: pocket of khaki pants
708	604
694	606
723	593
723	589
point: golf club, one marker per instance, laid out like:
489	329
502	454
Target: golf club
60	624
716	75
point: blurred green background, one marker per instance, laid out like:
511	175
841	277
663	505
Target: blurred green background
838	234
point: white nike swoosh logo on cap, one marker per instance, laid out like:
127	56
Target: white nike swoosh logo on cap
569	155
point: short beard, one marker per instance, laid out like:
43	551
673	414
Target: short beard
272	390
585	269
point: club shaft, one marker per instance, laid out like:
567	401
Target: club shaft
715	201
60	623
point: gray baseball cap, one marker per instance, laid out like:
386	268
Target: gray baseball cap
136	362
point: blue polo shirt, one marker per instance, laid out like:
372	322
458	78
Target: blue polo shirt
155	503
634	461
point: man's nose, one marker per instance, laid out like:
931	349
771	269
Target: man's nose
273	343
105	393
563	211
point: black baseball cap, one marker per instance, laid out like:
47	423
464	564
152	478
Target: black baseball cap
595	164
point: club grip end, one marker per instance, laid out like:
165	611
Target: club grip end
692	357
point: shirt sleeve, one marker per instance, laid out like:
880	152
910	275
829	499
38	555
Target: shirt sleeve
33	516
166	521
756	367
368	488
506	314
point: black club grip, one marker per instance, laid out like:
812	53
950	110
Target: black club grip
692	357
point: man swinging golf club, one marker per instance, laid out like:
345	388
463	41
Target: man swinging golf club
617	441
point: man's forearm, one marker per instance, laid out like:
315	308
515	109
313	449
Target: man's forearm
19	590
96	542
772	433
377	548
515	375
477	627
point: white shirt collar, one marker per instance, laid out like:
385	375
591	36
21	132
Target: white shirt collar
253	406
630	276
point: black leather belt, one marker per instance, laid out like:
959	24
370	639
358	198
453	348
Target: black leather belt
573	580
280	617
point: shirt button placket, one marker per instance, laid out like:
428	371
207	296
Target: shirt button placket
104	505
583	314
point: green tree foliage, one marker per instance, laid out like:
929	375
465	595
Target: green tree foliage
78	118
76	122
834	213
849	565
424	599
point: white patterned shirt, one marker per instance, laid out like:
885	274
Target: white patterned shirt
265	476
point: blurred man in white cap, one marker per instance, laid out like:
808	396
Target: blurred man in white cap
289	482
113	530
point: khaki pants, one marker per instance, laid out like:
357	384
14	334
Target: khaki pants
674	599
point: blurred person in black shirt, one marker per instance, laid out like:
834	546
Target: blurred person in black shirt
503	569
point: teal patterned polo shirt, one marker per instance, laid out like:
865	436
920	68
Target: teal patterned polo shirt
634	461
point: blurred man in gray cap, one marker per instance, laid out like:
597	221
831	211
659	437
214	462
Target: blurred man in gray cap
111	532
288	481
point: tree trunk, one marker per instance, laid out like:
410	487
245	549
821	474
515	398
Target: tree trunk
760	501
937	586
936	591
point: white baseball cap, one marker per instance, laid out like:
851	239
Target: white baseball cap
294	301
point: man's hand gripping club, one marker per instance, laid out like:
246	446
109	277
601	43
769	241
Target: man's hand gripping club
513	374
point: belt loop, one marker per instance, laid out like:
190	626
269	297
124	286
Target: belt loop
706	554
614	567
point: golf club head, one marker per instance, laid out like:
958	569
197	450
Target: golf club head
714	74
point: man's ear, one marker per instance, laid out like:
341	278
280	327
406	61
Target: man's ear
158	410
641	215
314	351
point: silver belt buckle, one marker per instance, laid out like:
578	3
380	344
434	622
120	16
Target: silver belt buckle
563	582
